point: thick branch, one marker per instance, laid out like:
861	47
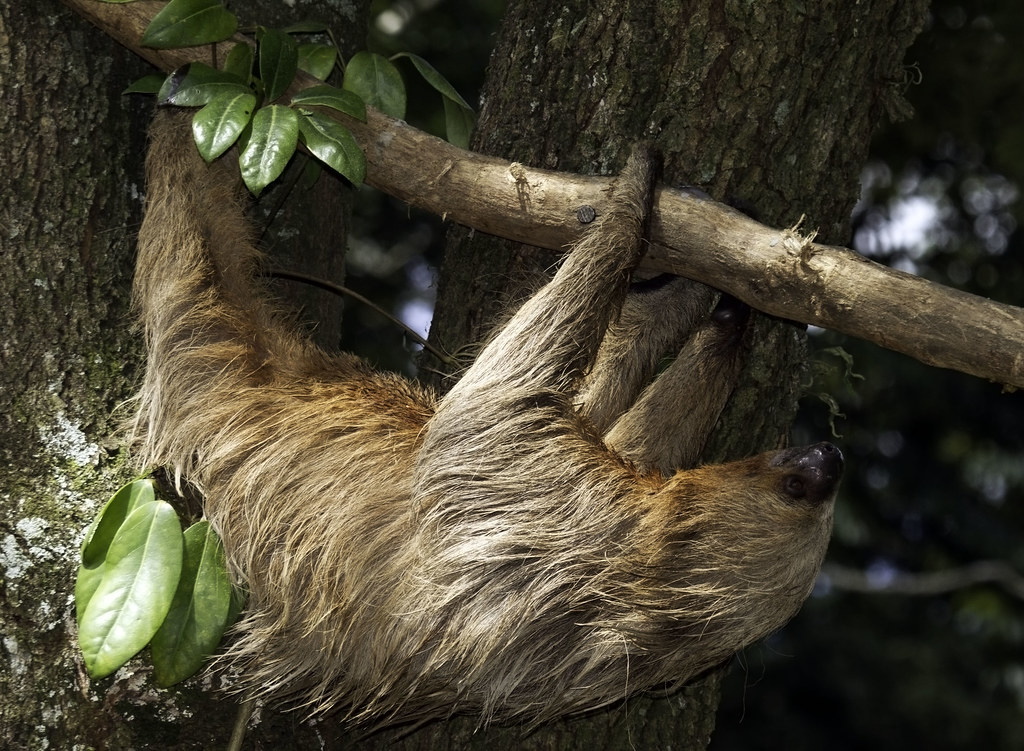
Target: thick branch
772	270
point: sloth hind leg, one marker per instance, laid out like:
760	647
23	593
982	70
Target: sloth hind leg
219	355
667	427
196	282
657	317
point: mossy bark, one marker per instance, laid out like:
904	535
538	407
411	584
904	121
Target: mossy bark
70	359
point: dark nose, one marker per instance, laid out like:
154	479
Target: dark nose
811	473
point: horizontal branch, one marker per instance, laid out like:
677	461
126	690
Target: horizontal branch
927	583
775	271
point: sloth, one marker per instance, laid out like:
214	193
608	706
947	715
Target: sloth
529	545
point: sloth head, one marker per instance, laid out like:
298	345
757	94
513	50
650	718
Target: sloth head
745	542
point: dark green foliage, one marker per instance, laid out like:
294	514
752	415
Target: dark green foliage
141	581
241	102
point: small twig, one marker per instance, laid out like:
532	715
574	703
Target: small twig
339	289
281	195
241	723
929	583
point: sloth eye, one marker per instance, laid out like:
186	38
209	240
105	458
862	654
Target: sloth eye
794	486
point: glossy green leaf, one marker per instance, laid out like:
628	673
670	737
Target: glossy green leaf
435	79
317	59
335	98
217	126
110	518
101	533
146	85
187	23
140	575
278	61
311	171
199	612
196	84
377	82
333	144
272	141
238	61
459	123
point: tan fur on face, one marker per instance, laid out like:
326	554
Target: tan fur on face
407	556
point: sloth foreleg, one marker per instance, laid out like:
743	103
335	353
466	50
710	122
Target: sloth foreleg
549	344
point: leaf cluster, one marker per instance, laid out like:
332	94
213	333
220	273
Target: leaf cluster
247	103
141	580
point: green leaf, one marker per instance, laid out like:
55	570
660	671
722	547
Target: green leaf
141	571
377	82
103	528
326	95
333	144
458	123
238	61
217	126
317	59
279	60
196	84
311	171
187	23
101	533
274	136
199	612
146	85
435	79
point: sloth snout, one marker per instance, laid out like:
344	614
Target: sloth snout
813	472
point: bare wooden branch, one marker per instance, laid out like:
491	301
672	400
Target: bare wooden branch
775	271
926	583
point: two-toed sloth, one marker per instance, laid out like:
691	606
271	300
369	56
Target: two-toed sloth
525	546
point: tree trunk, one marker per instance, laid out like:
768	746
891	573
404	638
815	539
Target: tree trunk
765	105
71	201
69	359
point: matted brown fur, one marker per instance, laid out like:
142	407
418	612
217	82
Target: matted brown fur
408	556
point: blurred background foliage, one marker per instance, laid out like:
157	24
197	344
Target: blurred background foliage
935	459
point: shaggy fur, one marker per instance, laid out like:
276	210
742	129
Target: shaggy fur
407	556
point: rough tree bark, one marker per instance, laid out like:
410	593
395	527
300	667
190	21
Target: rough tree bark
70	200
69	359
762	103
